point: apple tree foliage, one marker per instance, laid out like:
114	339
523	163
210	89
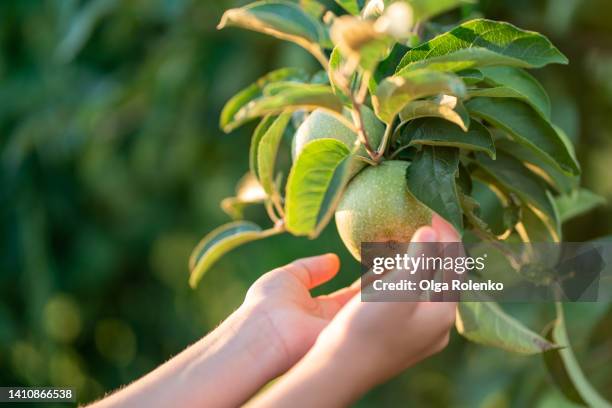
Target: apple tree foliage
460	105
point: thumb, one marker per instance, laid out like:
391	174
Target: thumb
312	271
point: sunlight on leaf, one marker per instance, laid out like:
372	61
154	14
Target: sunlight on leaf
486	323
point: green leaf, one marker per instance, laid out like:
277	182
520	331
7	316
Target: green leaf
439	132
565	369
471	76
341	177
551	174
464	179
312	7
309	180
375	51
491	209
569	145
525	126
290	97
387	66
470	208
335	65
486	323
500	92
426	9
260	130
553	399
220	241
278	88
352	6
517	83
267	151
431	179
453	112
395	92
254	91
536	229
577	202
515	177
280	19
481	43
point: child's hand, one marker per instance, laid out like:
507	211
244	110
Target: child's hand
390	335
276	326
281	300
367	343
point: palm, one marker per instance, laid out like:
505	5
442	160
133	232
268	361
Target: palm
283	296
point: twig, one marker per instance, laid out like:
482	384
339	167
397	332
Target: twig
366	160
362	93
271	212
276	197
361	132
385	141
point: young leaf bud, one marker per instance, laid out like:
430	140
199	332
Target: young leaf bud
397	21
351	34
373	9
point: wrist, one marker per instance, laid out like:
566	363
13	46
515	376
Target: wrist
246	338
346	359
259	339
338	375
242	345
364	363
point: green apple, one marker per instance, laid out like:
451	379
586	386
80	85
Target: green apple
378	207
323	124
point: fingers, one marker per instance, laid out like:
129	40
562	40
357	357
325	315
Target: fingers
445	231
435	321
437	317
332	303
425	234
341	296
454	249
422	244
313	271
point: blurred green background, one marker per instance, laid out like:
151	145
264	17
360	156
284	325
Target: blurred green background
112	168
